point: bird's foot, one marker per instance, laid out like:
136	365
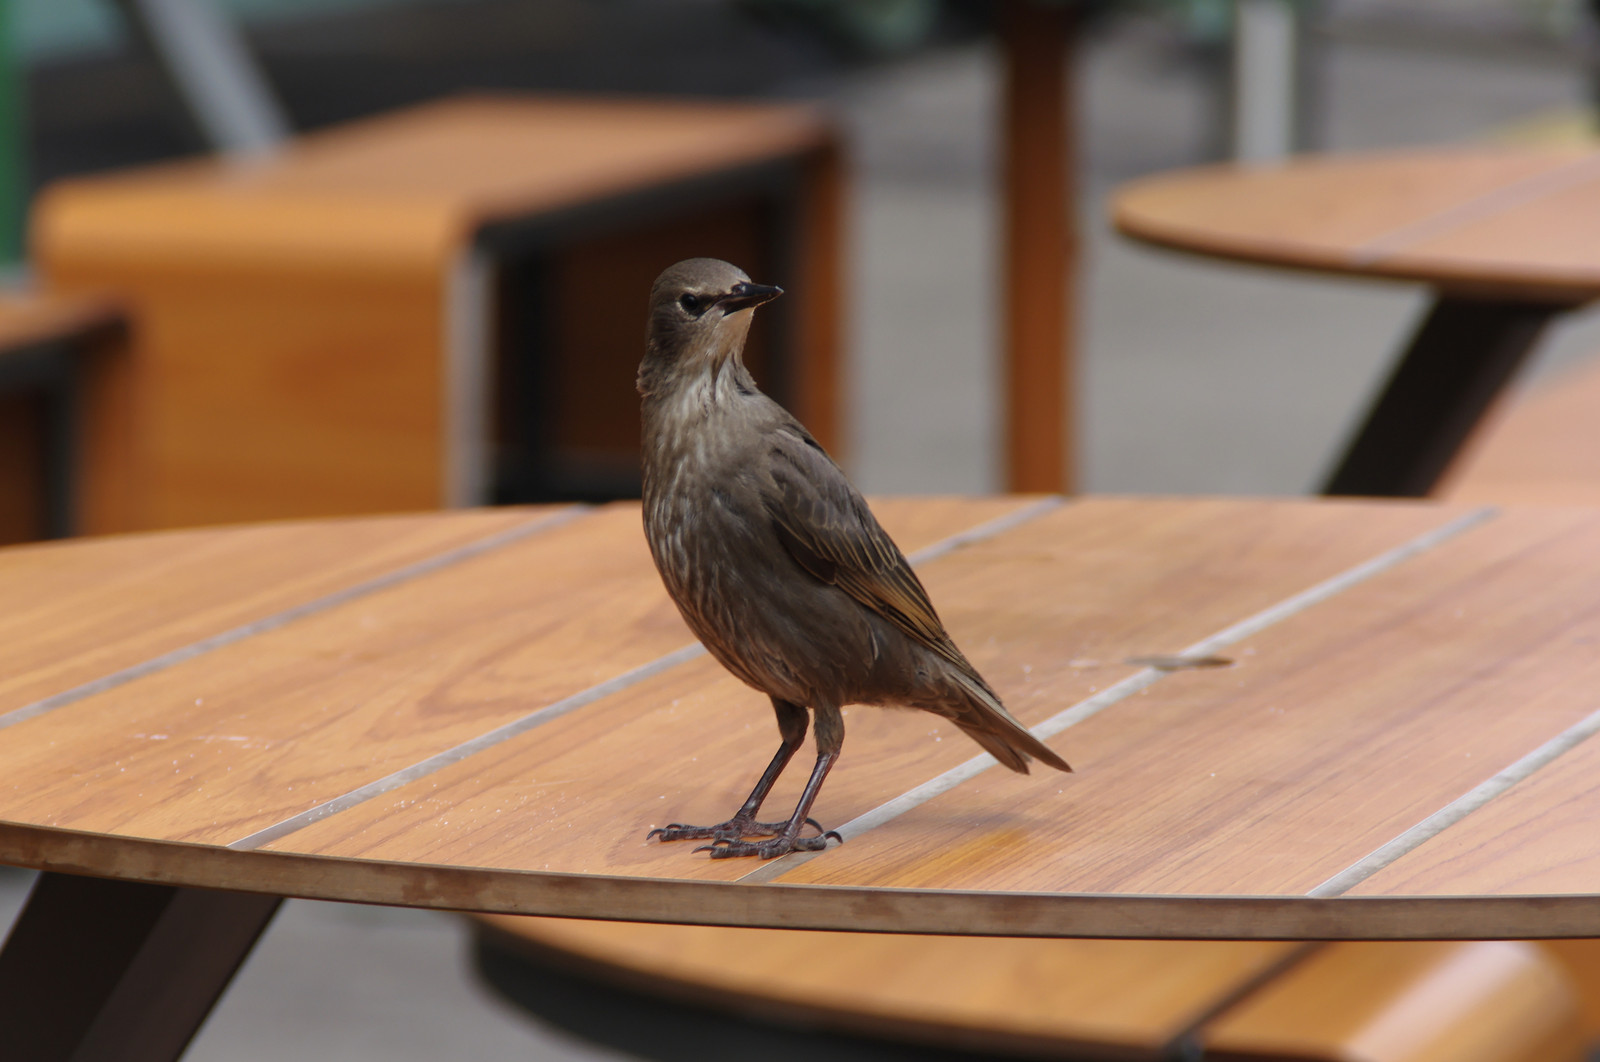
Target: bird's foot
734	829
770	849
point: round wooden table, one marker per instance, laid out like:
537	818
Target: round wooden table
487	710
1505	236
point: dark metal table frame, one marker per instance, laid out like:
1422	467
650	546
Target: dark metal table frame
1457	363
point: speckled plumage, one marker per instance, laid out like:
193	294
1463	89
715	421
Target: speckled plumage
776	562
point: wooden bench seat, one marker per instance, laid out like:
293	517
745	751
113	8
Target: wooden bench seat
1420	1001
1379	1002
1541	448
1130	998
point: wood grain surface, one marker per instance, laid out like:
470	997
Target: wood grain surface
1044	644
1535	838
1364	716
478	736
1507	221
310	711
79	611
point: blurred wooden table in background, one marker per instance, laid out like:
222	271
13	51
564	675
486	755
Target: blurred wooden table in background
1506	238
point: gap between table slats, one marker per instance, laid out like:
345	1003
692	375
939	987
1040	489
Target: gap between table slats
1141	680
566	705
1519	193
1459	808
290	615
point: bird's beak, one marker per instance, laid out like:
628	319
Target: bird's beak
745	295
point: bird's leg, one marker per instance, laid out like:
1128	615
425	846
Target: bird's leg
792	722
830	739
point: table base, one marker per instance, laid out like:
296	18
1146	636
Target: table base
101	970
1457	363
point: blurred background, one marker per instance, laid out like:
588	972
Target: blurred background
1192	376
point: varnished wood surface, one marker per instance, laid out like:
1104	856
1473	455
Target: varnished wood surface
75	615
1505	221
498	733
1348	745
1197	570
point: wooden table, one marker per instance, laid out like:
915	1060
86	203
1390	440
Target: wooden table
487	710
1506	237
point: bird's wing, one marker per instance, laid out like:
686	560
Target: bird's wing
829	531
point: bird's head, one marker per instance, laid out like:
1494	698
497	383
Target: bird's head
698	321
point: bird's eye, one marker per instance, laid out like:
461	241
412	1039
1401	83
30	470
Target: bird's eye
691	303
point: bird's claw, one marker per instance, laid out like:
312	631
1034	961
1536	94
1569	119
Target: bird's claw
732	830
769	849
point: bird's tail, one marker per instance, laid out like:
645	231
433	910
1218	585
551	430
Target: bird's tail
982	717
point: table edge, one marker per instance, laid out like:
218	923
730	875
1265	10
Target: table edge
945	912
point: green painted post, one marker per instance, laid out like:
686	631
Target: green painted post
13	182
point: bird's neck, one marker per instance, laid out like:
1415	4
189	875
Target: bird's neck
687	400
681	415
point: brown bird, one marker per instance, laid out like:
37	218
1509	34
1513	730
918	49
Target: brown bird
776	562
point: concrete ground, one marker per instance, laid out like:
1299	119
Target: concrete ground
1196	377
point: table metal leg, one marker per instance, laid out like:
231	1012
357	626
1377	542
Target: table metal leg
1456	364
98	970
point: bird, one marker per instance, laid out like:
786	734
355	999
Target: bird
777	564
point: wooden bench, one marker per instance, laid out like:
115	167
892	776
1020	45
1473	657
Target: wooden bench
44	342
1379	1002
436	307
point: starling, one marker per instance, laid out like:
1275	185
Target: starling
776	562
